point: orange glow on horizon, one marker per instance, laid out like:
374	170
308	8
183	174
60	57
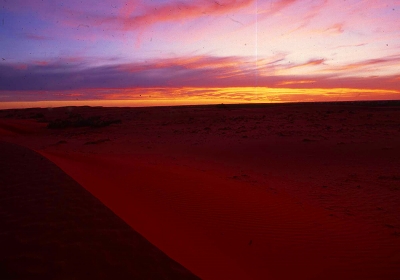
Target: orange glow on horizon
144	97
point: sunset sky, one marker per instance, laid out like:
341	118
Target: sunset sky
159	52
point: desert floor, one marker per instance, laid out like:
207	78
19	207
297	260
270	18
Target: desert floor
284	191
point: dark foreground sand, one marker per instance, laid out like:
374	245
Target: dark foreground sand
290	191
52	228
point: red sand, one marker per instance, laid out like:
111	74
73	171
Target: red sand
52	228
281	192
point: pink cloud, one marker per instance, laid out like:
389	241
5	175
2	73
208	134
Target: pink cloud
195	62
20	66
196	71
370	64
93	20
41	62
335	28
173	11
239	71
312	12
280	5
311	62
130	6
350	45
272	7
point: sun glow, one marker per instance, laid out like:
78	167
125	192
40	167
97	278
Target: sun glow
137	97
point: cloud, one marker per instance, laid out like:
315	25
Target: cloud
277	6
128	19
367	65
126	15
350	46
299	82
41	62
36	37
336	28
197	71
311	62
118	20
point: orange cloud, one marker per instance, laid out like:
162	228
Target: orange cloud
284	83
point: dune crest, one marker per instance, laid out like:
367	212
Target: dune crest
52	228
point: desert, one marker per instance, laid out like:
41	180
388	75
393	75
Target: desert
200	139
262	191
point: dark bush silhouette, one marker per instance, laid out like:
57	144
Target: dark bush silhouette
79	121
37	116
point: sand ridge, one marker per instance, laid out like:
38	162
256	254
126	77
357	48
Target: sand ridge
52	228
219	228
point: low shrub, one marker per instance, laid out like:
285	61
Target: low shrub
79	121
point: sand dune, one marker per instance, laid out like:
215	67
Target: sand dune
52	228
242	192
221	228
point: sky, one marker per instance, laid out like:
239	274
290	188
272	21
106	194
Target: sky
166	52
